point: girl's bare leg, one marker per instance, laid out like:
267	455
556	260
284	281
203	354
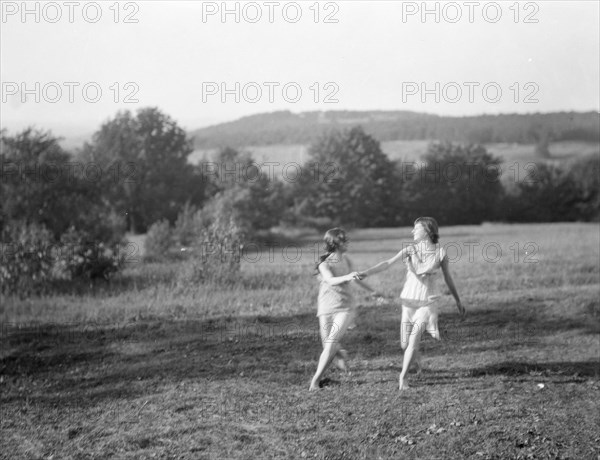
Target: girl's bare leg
416	361
433	331
413	346
331	345
406	327
326	324
340	360
342	355
406	331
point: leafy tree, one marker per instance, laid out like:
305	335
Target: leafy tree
42	184
553	194
586	175
349	180
256	200
455	184
146	172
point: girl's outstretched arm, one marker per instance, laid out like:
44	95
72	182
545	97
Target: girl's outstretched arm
381	266
451	286
332	280
358	278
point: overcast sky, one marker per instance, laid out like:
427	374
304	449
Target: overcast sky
484	57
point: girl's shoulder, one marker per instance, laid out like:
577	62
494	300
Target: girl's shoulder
441	253
409	250
433	255
333	257
333	260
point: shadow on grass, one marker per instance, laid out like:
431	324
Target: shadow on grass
86	363
527	321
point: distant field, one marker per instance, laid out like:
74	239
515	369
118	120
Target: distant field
412	151
519	161
146	368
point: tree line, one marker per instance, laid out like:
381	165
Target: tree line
134	176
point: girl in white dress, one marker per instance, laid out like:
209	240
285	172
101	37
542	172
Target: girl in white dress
420	295
336	304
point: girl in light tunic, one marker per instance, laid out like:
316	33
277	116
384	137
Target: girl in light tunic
420	295
336	304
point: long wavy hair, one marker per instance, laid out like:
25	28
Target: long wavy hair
431	227
333	239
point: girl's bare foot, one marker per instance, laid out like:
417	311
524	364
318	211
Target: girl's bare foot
402	385
418	368
340	362
314	386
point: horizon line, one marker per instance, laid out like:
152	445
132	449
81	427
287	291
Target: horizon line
3	125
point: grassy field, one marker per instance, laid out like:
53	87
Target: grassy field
146	368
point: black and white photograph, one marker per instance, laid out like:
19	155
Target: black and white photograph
303	229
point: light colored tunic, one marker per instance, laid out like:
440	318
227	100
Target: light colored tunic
339	298
421	290
421	287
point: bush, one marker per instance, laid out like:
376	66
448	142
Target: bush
159	241
216	257
33	262
82	258
26	260
186	228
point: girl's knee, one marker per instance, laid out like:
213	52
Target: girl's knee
331	333
330	348
406	328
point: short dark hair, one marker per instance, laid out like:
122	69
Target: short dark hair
431	227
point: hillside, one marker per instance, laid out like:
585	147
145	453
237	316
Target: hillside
287	128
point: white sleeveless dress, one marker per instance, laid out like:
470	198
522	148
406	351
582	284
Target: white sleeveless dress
421	292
